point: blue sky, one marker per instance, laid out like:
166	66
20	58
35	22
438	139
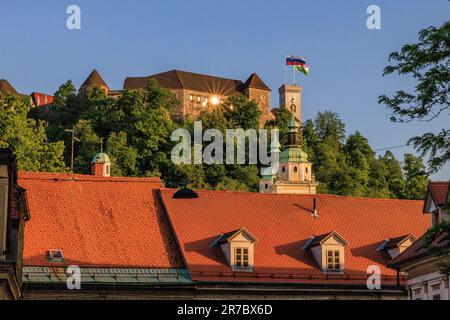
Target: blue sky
230	39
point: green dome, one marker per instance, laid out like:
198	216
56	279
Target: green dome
101	157
293	154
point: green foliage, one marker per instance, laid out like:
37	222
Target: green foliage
416	178
439	231
427	62
135	131
28	138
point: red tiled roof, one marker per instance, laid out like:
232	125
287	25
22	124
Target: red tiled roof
417	250
283	224
97	222
439	191
41	99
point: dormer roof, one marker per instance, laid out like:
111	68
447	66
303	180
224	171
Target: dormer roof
320	240
229	236
395	242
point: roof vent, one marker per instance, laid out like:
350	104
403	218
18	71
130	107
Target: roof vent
55	256
185	193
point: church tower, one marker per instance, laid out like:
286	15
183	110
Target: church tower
291	99
293	174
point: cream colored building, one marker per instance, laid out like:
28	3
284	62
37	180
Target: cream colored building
425	281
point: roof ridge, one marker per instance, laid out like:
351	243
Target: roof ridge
296	195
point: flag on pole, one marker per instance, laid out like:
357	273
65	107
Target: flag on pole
303	69
295	61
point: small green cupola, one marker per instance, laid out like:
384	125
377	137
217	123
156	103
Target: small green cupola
101	165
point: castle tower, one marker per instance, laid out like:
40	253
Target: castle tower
257	90
294	173
101	165
291	99
94	80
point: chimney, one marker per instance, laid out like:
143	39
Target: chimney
315	214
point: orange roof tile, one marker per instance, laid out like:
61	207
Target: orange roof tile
439	191
283	224
97	222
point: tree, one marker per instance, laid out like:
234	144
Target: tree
123	157
394	175
242	113
28	138
427	62
416	179
440	231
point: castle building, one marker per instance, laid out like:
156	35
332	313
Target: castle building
293	174
198	92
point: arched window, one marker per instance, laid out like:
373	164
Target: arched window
306	169
295	169
283	169
266	186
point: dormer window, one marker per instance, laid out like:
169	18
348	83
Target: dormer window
328	250
238	248
241	257
333	260
395	246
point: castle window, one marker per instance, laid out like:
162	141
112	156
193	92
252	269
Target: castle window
295	169
283	170
306	170
199	99
266	186
191	97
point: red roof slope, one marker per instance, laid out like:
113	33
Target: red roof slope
96	222
283	224
439	191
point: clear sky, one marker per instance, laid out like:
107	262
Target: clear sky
230	39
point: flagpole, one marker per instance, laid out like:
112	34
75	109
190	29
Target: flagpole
293	70
285	69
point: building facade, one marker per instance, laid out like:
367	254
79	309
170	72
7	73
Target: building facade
13	214
425	281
